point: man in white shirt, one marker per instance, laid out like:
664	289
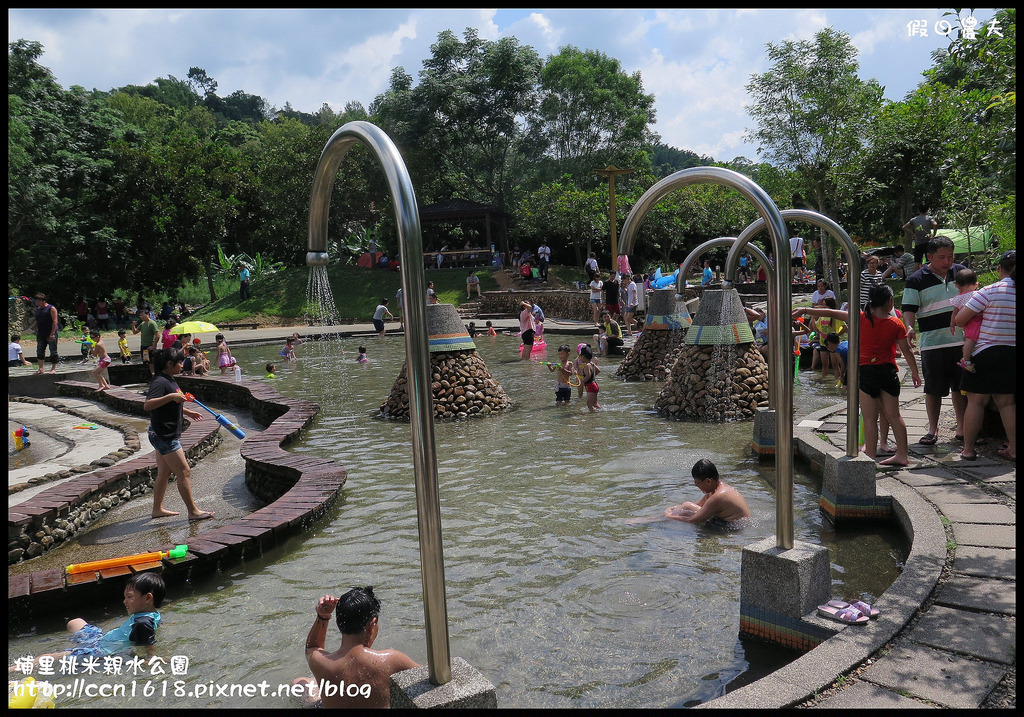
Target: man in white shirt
796	251
543	257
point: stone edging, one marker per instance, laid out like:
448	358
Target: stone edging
818	669
131	443
301	489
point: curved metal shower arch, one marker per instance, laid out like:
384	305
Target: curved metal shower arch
779	291
853	261
417	357
769	271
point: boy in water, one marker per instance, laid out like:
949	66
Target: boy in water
563	391
721	503
355	675
99	351
143	594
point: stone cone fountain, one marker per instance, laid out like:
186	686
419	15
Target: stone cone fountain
719	375
654	351
461	383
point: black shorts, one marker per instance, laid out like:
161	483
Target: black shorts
563	394
875	378
527	337
991	374
941	373
796	261
378	324
919	252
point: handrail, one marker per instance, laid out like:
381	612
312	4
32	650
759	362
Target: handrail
853	261
417	358
780	291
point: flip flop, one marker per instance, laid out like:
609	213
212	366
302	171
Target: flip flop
928	439
849	615
966	457
860	605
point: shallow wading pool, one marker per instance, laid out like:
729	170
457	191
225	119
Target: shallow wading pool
551	593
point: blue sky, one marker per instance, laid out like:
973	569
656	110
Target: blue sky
696	62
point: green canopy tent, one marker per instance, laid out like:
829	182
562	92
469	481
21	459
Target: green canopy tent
973	240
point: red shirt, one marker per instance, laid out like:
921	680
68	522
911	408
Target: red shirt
878	339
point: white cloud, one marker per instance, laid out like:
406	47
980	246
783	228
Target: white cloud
696	62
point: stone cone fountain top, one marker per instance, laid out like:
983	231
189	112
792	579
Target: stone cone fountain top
461	383
720	320
666	313
652	354
719	374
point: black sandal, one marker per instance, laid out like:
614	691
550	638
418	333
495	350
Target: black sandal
928	439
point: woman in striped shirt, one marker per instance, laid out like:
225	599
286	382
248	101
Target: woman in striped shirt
995	352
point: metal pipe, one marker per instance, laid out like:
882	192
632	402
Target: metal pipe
417	358
853	279
780	291
768	269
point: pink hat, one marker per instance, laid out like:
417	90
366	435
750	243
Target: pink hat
579	348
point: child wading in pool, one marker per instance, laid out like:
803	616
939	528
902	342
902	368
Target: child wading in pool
588	375
361	358
565	369
143	594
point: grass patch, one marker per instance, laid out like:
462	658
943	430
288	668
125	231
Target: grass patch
356	293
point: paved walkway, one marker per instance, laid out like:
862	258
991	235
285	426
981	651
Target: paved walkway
962	641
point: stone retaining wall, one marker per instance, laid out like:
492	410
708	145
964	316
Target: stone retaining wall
301	488
574	305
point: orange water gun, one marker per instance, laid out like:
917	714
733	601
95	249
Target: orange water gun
177	551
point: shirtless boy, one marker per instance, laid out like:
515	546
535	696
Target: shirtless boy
356	675
721	502
102	360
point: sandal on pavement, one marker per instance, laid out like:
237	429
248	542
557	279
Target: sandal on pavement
968	456
863	607
850	615
1005	453
928	439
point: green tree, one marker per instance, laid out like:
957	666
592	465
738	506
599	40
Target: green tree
591	113
812	111
460	127
59	179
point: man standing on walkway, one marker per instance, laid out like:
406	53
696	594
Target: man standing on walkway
148	341
920	229
45	325
926	300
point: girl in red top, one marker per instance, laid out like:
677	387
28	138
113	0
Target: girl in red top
880	334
